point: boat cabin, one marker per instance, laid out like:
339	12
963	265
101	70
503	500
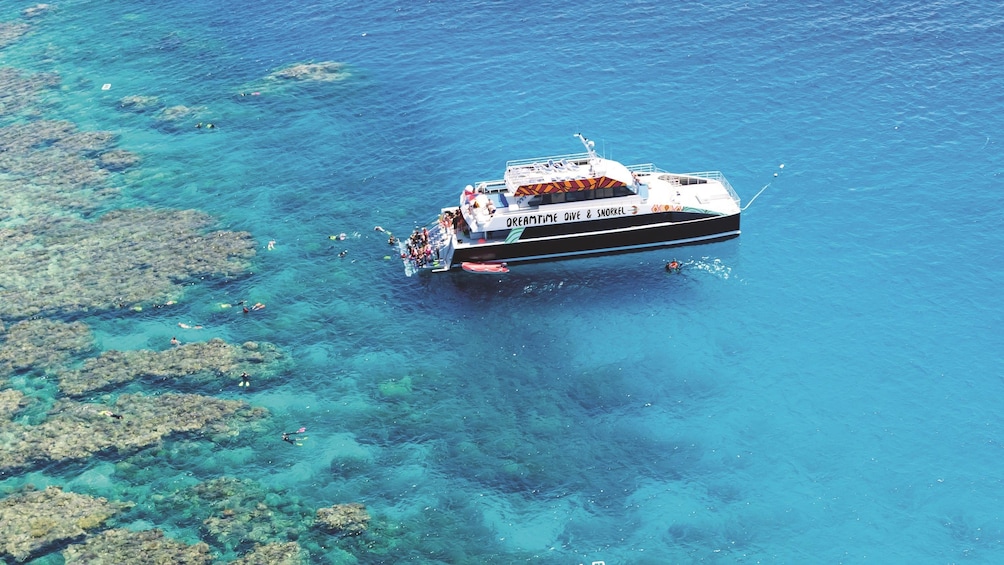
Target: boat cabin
531	183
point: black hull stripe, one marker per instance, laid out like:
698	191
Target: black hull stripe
621	222
636	238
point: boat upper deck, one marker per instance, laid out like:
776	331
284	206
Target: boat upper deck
525	172
696	189
564	173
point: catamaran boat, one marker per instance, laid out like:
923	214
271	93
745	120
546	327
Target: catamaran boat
573	205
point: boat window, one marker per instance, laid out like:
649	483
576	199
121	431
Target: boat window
692	180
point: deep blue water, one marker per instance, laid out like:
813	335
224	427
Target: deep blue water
824	388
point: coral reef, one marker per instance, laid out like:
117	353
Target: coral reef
17	89
32	521
201	362
117	160
350	519
37	10
10	402
242	511
126	258
274	554
27	202
42	344
140	548
325	71
62	260
52	152
76	430
139	103
174	113
49	168
396	388
9	33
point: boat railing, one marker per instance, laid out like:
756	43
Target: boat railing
644	168
490	186
710	175
718	176
549	169
553	158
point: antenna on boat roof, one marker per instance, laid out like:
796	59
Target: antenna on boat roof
589	145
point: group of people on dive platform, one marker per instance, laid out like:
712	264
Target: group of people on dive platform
419	248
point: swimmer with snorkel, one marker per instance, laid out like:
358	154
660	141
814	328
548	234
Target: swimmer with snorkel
288	437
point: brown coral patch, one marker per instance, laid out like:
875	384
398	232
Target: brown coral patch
139	103
175	113
349	519
274	554
126	258
144	547
31	522
42	344
117	160
206	361
10	402
19	90
325	71
52	152
75	430
9	33
37	10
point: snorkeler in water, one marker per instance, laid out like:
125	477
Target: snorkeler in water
289	437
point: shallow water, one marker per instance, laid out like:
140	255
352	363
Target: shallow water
822	388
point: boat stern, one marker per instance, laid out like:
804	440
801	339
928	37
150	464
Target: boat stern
430	248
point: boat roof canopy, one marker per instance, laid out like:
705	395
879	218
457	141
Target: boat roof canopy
564	173
572	185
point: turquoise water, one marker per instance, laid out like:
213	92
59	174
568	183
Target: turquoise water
822	389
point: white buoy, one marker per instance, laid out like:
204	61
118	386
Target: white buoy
782	166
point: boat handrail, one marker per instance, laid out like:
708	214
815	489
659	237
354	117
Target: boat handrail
718	176
555	158
710	175
490	186
644	168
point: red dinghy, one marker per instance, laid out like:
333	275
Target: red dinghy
485	267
